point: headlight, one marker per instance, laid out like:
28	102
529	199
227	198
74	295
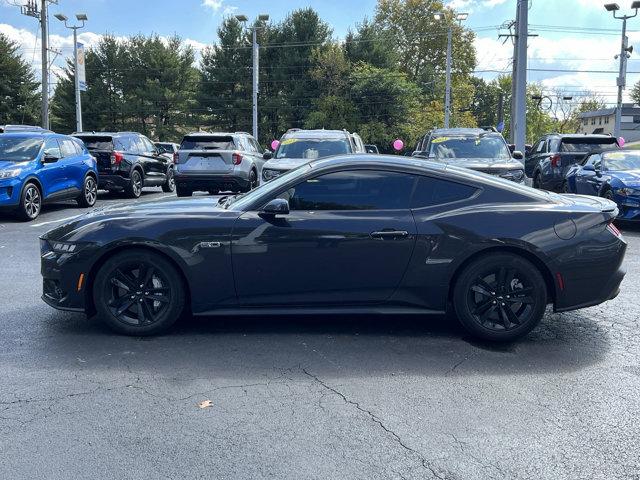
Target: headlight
268	174
627	191
513	175
10	173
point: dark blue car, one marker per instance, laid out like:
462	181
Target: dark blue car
39	167
613	174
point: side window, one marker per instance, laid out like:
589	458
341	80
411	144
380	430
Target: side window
123	143
596	161
434	191
554	145
52	148
255	145
540	147
353	190
149	147
136	144
67	148
79	146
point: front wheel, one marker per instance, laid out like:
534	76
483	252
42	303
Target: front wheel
500	297
134	188
89	193
138	293
608	194
30	202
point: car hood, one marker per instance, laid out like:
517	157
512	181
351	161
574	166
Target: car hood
630	178
286	163
139	212
481	163
10	165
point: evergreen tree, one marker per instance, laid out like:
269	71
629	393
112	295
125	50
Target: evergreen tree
19	99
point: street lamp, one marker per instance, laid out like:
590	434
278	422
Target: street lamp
460	17
263	17
625	53
81	17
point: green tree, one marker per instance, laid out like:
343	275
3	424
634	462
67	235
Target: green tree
371	45
19	100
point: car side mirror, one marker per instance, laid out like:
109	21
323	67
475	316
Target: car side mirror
589	168
267	155
50	158
517	154
277	206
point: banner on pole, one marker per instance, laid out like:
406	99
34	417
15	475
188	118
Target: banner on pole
82	78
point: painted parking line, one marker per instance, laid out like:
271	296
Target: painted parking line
53	221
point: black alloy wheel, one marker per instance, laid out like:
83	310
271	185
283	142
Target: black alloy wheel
134	189
170	185
500	297
30	202
253	180
89	194
138	293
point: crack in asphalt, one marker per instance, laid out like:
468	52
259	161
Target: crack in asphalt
372	416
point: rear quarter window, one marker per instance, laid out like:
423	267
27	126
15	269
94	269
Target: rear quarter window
431	191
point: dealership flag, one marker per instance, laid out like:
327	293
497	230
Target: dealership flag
82	79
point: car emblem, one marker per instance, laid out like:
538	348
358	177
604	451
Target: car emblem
198	246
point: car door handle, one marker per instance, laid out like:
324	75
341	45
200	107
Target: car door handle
383	234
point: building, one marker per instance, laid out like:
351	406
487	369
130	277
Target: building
603	121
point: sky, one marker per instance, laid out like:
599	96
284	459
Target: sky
574	37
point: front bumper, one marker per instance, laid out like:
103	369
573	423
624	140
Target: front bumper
10	190
206	182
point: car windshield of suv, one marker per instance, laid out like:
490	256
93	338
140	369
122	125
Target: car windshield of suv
448	148
622	160
164	147
312	149
19	149
213	142
94	142
585	145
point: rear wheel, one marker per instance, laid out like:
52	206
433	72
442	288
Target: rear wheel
138	293
536	180
565	187
134	188
170	185
183	192
89	193
30	202
500	297
253	179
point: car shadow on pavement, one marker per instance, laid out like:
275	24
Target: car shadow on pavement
335	345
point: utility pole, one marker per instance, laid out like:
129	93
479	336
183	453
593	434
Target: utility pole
255	48
82	18
519	120
447	92
625	53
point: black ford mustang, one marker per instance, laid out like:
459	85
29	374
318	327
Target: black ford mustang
361	234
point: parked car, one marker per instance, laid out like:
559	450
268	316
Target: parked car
298	147
366	234
128	161
215	162
612	174
21	128
370	148
41	166
527	148
167	147
554	154
478	149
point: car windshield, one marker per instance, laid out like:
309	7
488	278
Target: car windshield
94	142
450	148
213	142
165	147
312	149
19	149
585	145
622	161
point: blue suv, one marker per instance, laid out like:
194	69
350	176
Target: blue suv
39	167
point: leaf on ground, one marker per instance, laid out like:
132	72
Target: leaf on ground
205	404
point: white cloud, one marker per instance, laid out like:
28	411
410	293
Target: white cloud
214	5
492	3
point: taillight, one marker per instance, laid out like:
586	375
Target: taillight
237	158
555	160
613	229
116	158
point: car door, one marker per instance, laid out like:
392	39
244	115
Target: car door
52	174
258	155
155	165
593	182
347	239
73	164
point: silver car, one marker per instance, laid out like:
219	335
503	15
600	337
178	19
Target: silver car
298	147
218	162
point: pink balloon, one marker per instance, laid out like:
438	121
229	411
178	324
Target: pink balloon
621	142
398	145
274	145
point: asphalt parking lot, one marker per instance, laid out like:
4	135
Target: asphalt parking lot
312	397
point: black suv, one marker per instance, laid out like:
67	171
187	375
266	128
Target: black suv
128	161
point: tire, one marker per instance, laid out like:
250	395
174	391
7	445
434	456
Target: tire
488	307
183	192
253	180
134	188
170	185
608	194
89	194
30	202
565	187
536	181
125	306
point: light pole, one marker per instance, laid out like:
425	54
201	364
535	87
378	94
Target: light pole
447	93
256	62
625	53
81	17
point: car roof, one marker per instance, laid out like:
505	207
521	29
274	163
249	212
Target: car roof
320	133
32	133
462	131
103	134
583	135
215	134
